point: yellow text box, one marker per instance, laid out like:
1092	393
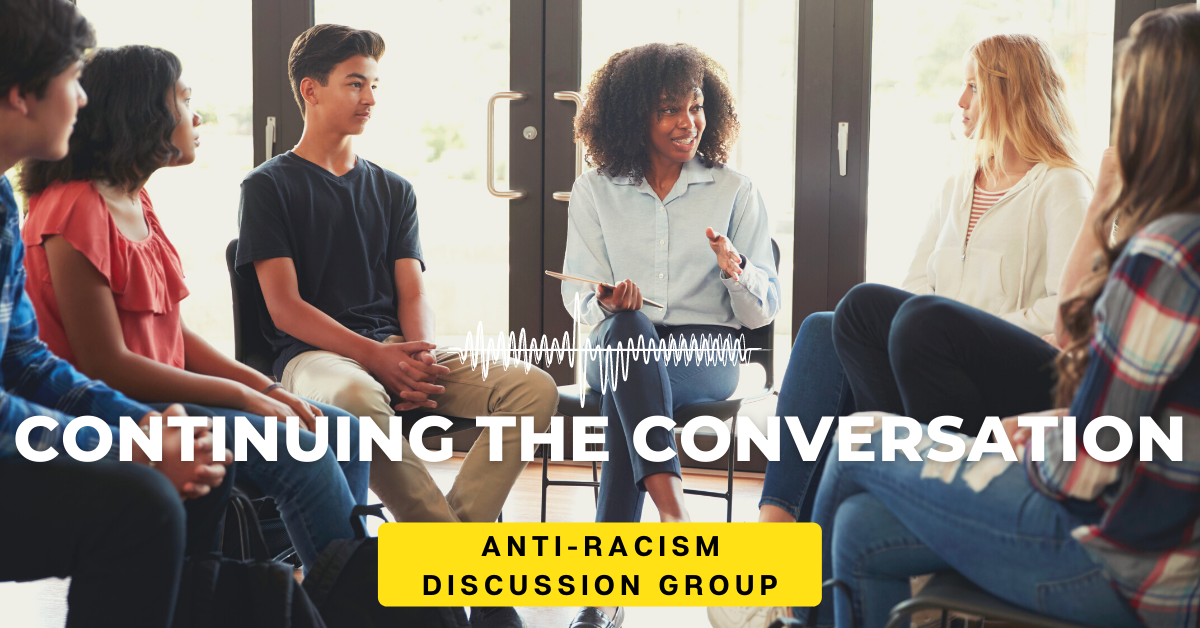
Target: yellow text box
599	564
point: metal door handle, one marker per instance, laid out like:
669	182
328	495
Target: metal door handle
491	145
270	137
843	145
578	100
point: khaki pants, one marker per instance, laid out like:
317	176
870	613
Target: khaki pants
405	486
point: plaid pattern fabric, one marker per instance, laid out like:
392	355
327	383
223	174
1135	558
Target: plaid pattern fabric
1144	516
34	381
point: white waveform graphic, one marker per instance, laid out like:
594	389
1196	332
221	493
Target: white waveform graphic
484	351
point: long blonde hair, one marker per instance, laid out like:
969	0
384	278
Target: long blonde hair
1023	100
1157	136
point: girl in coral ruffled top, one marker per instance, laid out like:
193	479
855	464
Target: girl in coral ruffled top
106	285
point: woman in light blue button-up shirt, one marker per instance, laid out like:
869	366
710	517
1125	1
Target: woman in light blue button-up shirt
663	218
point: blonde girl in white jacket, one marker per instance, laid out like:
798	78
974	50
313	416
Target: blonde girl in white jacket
1026	156
1031	194
996	245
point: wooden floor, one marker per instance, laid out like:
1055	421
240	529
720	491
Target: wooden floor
578	504
42	604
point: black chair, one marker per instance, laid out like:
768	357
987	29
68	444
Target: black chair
250	346
949	591
762	339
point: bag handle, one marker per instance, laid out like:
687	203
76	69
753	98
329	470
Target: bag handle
251	528
360	511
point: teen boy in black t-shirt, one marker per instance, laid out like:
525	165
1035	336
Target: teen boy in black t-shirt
333	241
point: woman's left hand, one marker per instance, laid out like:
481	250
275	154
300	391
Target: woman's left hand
728	258
302	409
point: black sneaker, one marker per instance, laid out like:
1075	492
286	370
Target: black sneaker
495	617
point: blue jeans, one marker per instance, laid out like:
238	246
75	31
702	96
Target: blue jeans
652	388
882	522
814	386
314	498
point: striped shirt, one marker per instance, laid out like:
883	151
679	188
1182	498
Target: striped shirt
34	381
982	201
1144	516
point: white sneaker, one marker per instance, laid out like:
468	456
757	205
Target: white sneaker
746	616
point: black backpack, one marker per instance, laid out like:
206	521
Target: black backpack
344	585
252	591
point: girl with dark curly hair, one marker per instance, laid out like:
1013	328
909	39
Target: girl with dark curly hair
106	284
661	215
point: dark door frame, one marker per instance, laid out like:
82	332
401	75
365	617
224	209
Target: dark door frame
276	24
833	85
563	38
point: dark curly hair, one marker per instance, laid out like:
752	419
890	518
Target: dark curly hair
631	84
124	134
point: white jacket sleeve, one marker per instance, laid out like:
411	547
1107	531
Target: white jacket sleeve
917	280
586	255
1064	219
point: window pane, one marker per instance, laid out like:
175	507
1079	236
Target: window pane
916	74
755	41
430	126
198	203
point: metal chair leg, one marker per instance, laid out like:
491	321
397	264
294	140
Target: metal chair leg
545	479
595	489
729	487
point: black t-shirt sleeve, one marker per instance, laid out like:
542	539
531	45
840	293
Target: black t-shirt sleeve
262	227
405	239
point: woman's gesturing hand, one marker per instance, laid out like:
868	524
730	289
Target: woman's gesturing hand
621	297
728	258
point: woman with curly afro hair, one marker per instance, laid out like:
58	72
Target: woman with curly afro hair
661	215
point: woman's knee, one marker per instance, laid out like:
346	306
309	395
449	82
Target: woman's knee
623	326
857	308
816	326
918	325
815	337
